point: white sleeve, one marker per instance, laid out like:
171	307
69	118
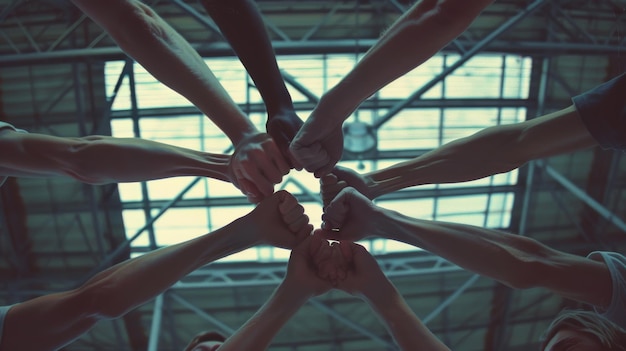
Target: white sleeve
5	125
3	312
616	312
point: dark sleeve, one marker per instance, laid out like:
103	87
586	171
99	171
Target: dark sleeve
603	111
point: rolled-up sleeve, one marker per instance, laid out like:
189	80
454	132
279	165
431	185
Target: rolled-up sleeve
603	111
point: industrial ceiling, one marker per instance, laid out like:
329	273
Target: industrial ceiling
55	233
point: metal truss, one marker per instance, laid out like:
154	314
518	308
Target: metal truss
22	24
22	42
264	274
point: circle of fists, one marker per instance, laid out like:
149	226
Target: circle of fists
329	257
317	265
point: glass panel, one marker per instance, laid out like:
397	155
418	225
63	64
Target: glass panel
482	77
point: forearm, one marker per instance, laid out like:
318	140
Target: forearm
147	38
514	260
417	35
508	258
99	160
241	23
129	284
488	152
257	333
103	159
406	328
493	150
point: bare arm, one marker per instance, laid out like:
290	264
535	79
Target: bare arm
411	40
60	318
241	23
417	35
300	284
516	261
102	159
496	149
145	36
367	281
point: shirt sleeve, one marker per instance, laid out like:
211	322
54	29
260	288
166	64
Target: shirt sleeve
616	312
603	111
3	313
3	126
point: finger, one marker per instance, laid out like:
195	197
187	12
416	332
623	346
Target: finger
295	164
325	167
287	202
251	191
266	167
330	191
279	161
253	175
312	157
336	261
329	234
328	179
298	224
304	233
317	240
345	247
323	254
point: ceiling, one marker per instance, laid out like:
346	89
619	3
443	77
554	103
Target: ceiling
55	233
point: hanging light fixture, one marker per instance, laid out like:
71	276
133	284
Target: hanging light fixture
358	137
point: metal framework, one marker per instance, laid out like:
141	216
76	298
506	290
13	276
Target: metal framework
42	33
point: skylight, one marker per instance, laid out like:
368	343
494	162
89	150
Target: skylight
486	78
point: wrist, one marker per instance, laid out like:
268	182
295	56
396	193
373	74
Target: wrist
243	135
381	295
374	187
295	291
334	104
209	165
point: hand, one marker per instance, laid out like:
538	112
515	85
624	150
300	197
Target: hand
330	186
316	147
302	272
330	262
349	216
362	183
283	126
364	277
279	220
256	165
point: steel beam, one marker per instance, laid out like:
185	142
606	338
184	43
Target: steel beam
106	262
445	303
464	58
336	315
580	194
345	46
223	327
155	326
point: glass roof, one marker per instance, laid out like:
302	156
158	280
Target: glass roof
483	78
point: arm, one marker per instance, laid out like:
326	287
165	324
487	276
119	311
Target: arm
417	35
59	318
103	159
241	23
367	281
493	150
146	37
516	261
300	284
